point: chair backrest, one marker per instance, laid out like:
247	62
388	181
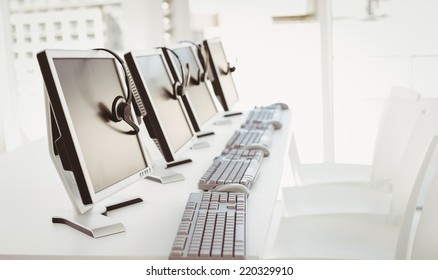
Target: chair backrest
424	130
431	103
397	120
425	241
399	115
416	149
427	177
294	160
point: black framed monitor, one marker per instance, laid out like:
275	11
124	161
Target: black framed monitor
221	73
199	99
166	120
94	155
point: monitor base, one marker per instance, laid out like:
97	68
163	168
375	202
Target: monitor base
223	122
165	176
200	145
94	222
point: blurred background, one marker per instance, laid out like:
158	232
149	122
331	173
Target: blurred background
333	61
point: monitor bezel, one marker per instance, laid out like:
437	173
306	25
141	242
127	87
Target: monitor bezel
78	181
205	84
216	82
159	131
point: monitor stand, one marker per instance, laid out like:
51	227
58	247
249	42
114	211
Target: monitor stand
204	133
94	222
232	114
164	176
225	119
201	144
178	162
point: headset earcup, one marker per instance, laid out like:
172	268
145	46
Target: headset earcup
179	89
176	90
203	76
124	110
200	77
115	108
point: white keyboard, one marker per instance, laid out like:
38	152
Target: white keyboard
237	166
257	126
243	137
213	226
263	115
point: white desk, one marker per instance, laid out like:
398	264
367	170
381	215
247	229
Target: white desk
31	192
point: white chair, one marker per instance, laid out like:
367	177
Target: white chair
425	241
396	122
354	236
362	197
418	238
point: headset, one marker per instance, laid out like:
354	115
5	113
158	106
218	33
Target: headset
230	69
180	85
121	108
202	75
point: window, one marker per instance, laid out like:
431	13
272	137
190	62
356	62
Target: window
42	32
167	20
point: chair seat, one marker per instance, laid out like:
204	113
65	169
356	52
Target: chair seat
333	237
399	116
348	197
333	172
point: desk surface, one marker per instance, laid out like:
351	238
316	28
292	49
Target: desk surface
31	193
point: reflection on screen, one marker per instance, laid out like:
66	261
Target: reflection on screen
169	111
89	87
199	95
226	80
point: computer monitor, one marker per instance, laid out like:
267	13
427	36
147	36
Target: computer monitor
94	155
166	119
199	99
222	79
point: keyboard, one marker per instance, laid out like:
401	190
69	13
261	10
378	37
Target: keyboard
264	114
243	137
213	226
257	126
236	166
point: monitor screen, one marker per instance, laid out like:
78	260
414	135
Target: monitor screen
169	112
220	64
199	95
89	86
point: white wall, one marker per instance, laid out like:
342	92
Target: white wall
143	22
274	62
10	132
3	81
180	20
398	46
